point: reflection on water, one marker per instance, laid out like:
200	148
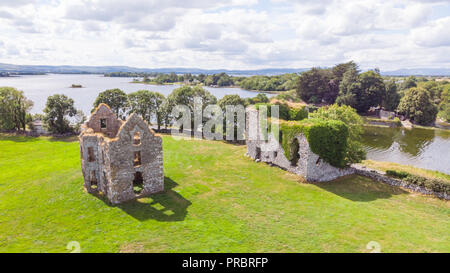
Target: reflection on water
423	148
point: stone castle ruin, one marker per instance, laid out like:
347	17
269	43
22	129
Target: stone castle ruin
121	159
306	164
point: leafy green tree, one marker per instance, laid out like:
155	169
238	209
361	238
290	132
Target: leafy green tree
434	89
158	101
141	103
57	109
355	153
116	99
417	105
147	104
409	82
313	86
185	95
14	109
361	91
444	106
79	119
232	100
391	98
340	69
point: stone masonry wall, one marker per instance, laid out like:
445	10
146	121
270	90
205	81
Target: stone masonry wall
112	123
309	165
114	157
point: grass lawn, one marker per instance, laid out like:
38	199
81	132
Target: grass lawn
216	200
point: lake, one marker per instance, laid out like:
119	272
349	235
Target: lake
39	87
423	148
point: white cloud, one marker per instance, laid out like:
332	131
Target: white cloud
226	33
434	34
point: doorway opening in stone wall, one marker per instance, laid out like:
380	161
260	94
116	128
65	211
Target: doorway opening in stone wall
295	148
93	181
258	153
138	183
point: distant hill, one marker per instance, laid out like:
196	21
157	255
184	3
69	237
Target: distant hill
419	72
68	69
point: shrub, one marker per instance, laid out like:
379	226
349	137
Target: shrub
285	112
298	113
435	185
397	174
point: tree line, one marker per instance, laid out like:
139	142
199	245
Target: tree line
60	115
282	82
418	99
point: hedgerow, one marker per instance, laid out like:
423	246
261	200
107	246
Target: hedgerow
435	185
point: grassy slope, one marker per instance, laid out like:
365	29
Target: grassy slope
216	200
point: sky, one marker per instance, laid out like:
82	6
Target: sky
227	34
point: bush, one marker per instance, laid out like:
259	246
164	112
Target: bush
298	113
435	185
397	174
285	112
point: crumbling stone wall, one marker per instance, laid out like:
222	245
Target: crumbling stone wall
309	164
111	159
103	112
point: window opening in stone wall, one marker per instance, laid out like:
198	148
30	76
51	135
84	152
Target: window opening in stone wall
137	138
103	123
93	180
137	158
91	156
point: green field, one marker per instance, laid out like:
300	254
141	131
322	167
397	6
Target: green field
216	200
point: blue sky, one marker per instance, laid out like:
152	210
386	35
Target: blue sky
229	34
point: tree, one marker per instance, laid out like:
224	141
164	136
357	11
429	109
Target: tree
260	98
231	100
158	101
417	105
340	69
409	82
444	106
14	109
313	86
57	109
141	103
349	116
185	95
116	99
361	91
391	98
79	119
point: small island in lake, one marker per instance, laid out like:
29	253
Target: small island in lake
76	86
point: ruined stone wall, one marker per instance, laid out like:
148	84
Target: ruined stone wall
112	123
309	165
121	156
108	157
94	167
